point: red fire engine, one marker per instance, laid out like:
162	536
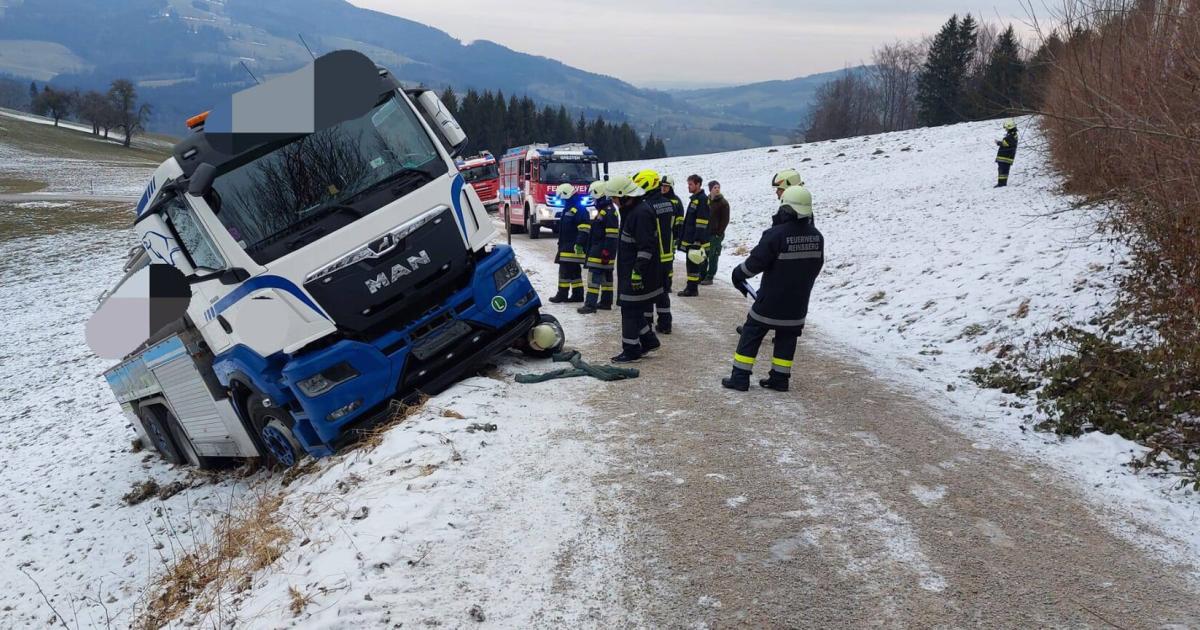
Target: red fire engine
481	173
529	176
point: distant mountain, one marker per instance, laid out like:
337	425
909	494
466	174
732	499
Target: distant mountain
186	54
782	104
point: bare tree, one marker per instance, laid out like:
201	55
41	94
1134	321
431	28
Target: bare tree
129	116
894	74
845	107
57	104
94	108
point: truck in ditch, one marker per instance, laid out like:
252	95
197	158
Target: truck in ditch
336	259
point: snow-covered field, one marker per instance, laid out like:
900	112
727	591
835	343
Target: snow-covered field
929	270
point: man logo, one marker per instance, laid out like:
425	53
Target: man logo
499	304
398	271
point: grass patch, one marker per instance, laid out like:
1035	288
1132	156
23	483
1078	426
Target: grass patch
17	185
40	218
371	437
60	142
243	542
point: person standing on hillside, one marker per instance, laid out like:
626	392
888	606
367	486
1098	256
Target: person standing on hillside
639	274
1007	152
790	256
651	182
695	236
718	207
668	191
601	246
571	256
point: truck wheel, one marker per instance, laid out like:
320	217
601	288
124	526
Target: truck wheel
515	229
273	428
545	339
184	443
535	230
160	434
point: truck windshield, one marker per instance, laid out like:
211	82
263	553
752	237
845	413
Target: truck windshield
288	194
568	173
481	173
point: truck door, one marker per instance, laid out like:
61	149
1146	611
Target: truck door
205	259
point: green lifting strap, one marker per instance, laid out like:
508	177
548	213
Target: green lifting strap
579	367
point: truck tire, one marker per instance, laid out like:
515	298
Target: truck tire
184	443
513	227
160	433
273	430
529	349
535	230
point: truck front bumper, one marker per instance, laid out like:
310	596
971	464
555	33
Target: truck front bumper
425	355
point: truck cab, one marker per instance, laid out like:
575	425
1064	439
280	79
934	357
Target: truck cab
529	177
336	257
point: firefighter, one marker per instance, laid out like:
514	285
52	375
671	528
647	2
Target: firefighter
1007	152
571	256
600	241
639	277
664	210
695	236
790	256
668	191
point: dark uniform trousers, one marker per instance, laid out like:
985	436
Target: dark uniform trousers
636	333
662	305
600	288
783	355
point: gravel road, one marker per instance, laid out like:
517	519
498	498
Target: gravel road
844	503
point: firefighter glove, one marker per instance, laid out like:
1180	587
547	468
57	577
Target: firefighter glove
605	257
579	251
739	280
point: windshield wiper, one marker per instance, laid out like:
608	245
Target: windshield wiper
395	178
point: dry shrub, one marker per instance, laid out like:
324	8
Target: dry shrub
243	542
370	438
1121	116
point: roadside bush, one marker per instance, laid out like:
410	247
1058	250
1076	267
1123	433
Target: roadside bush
1121	118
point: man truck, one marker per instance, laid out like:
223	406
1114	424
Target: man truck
337	261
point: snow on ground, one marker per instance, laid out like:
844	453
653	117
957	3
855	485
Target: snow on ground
75	176
442	524
928	268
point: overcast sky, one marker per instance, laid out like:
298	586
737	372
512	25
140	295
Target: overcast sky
717	41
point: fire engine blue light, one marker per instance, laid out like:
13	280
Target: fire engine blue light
553	200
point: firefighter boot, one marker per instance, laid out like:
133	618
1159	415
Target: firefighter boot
562	295
775	381
586	309
739	380
576	295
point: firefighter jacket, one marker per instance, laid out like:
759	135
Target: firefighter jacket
677	226
573	215
695	222
599	238
664	210
790	256
1008	147
637	256
718	207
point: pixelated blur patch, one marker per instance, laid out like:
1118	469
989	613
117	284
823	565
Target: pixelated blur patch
142	305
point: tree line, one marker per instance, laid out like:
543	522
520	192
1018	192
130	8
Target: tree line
496	124
117	109
968	71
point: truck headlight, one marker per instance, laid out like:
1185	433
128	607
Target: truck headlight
328	378
509	272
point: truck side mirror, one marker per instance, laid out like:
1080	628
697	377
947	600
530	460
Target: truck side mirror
201	180
444	121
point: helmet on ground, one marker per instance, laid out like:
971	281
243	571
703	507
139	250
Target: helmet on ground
648	180
1010	124
786	178
667	180
621	186
797	200
565	191
597	189
697	256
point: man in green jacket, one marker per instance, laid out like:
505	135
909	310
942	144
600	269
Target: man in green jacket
718	208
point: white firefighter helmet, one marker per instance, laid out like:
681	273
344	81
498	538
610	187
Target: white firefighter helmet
697	256
667	180
565	191
1010	124
786	178
622	186
798	200
597	189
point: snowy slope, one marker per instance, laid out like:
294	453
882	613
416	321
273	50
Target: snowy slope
929	270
